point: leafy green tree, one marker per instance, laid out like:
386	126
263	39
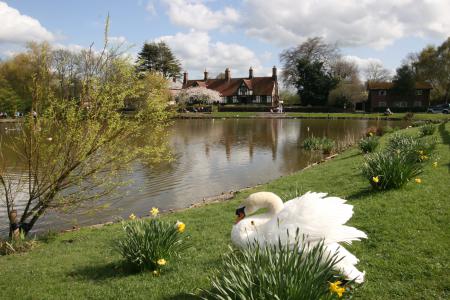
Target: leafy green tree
9	100
404	82
433	65
314	83
72	151
289	97
157	57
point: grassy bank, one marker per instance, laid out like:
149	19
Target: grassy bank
396	116
405	257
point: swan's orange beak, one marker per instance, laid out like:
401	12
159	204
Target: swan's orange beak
239	217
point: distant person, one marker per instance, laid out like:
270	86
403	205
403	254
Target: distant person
388	112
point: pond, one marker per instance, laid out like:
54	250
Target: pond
212	156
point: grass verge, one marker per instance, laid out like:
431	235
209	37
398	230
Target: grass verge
405	257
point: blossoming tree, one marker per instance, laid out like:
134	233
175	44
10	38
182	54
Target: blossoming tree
199	95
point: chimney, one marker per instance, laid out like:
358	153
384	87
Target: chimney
227	74
250	73
185	77
205	75
274	72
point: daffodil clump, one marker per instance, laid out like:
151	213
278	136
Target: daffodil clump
152	244
402	161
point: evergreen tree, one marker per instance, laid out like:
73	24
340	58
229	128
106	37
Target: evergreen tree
313	82
157	57
405	82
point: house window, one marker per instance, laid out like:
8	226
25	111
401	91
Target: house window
269	99
419	92
257	99
417	103
382	93
235	99
400	104
382	104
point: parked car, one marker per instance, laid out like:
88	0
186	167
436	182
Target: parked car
441	108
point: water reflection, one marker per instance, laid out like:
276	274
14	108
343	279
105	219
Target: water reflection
212	156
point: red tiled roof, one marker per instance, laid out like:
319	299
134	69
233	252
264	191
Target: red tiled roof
390	85
261	86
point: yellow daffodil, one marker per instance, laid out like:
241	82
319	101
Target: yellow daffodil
370	134
418	180
335	288
156	273
161	261
435	164
132	217
420	152
376	179
154	211
180	226
423	157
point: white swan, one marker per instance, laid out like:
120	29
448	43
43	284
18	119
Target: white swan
316	216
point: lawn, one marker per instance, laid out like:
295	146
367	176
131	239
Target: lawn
405	257
399	116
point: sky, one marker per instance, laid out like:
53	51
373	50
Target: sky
215	34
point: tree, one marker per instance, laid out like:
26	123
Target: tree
199	95
72	151
9	100
289	97
347	94
314	83
375	72
433	65
157	57
312	50
404	82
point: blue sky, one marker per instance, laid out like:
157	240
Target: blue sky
217	34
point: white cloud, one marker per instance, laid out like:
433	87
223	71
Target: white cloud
196	15
18	28
197	52
363	63
375	23
150	8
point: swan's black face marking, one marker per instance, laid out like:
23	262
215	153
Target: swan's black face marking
240	213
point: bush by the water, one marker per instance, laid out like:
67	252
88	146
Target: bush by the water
368	144
276	272
314	143
150	245
17	245
427	129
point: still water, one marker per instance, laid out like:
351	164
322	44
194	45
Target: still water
212	156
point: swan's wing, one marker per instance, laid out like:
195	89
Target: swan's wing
316	216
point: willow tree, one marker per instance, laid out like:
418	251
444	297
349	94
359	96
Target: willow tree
71	151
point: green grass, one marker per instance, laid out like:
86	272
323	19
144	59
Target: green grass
405	257
399	116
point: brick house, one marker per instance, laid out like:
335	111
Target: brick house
250	90
380	97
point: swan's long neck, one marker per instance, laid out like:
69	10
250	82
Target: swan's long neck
272	202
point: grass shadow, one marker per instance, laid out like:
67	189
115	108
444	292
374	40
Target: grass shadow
361	193
182	296
102	272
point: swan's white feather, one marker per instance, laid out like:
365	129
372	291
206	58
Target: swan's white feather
314	216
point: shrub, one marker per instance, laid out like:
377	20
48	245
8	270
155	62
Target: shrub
427	129
19	245
418	149
408	116
148	245
371	131
311	143
327	145
368	144
388	129
274	272
387	170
